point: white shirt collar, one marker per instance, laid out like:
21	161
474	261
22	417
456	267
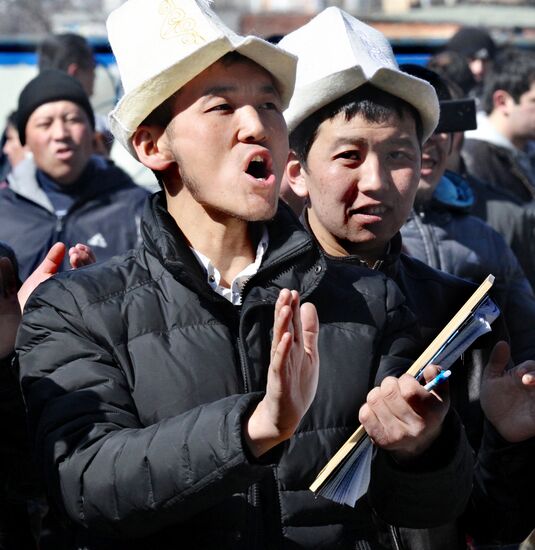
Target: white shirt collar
213	277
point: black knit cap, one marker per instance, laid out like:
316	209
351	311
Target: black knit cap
472	42
48	86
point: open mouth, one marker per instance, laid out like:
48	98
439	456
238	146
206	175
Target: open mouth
258	168
377	210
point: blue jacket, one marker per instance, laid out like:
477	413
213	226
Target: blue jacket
106	215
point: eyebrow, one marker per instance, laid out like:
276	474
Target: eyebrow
347	140
222	90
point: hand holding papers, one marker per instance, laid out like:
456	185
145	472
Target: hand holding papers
346	476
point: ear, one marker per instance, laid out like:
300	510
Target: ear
151	145
295	176
72	69
501	100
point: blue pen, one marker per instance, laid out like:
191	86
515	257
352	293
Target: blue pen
438	379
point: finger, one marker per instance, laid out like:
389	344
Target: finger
74	259
48	267
430	372
277	371
442	389
280	323
498	360
52	262
525	372
80	255
310	325
390	407
368	419
296	318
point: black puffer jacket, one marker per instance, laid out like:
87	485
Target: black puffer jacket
106	215
138	377
500	509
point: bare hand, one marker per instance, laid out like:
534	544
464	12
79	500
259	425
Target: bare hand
48	267
9	307
292	376
508	396
80	255
402	417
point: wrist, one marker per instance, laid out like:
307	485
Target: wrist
260	432
417	449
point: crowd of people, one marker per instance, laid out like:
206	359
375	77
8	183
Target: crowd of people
177	368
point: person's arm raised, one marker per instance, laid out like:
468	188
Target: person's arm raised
292	377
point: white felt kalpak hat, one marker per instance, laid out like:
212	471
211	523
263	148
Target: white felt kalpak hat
338	53
160	45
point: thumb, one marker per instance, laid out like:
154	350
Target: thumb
44	271
52	262
310	328
498	360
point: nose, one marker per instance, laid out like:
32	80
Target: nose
59	129
371	174
251	127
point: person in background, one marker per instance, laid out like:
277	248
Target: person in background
454	67
497	154
176	393
356	130
14	152
73	54
64	192
478	48
441	232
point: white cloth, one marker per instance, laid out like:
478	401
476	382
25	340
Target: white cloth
213	277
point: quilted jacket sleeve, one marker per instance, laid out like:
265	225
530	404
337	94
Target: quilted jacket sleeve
99	463
501	508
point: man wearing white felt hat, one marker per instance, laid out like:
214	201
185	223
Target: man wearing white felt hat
355	162
175	392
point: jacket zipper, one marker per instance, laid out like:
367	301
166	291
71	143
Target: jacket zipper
59	227
431	252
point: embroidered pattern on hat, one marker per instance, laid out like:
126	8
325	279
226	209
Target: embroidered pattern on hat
178	25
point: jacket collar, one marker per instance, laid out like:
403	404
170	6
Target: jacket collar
388	264
101	175
289	245
23	181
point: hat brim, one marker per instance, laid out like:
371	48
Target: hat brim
417	92
137	104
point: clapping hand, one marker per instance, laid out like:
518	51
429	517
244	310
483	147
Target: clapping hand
292	376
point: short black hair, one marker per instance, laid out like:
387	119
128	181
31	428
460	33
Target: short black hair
373	104
513	71
58	51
